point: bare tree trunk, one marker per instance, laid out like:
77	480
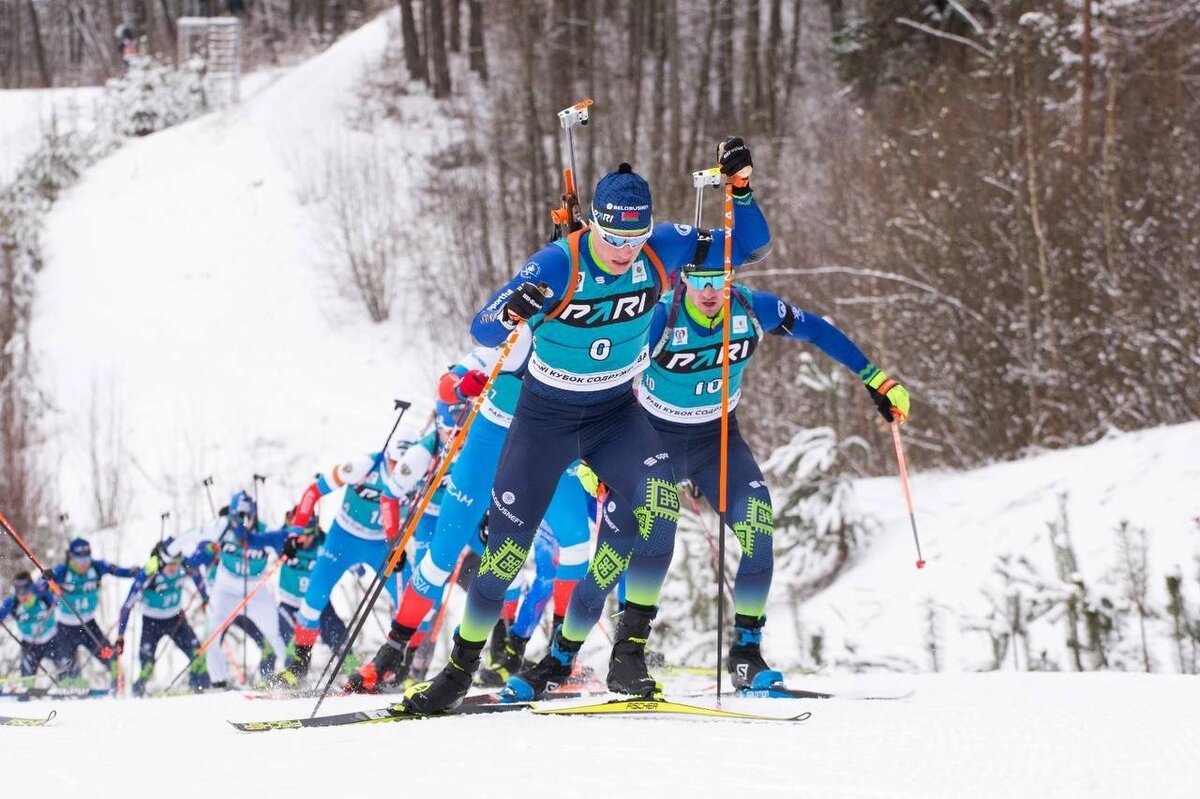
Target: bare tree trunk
725	99
1085	80
751	72
454	11
39	48
414	59
476	54
436	45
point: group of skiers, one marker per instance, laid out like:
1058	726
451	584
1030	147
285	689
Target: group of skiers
597	383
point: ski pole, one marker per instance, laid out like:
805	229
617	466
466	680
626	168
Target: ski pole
25	648
912	516
102	649
712	545
258	514
207	482
428	487
341	653
162	525
722	501
567	217
450	451
216	633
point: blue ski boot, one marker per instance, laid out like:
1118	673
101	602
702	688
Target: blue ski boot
547	674
747	669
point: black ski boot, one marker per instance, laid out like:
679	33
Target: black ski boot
293	676
496	642
745	663
511	661
388	667
627	673
446	690
547	674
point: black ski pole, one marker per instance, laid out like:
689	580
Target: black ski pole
162	525
340	656
208	481
25	648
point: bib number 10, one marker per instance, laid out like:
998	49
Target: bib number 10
708	387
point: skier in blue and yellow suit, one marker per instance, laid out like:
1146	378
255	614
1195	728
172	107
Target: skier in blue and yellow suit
590	344
681	394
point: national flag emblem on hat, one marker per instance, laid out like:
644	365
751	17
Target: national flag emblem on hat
629	216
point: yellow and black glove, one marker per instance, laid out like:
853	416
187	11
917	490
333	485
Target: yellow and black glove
889	396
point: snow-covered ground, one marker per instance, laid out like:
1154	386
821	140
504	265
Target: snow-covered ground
994	735
185	295
25	114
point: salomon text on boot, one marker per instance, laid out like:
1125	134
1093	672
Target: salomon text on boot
747	669
547	674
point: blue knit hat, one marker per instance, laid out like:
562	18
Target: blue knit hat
621	201
80	548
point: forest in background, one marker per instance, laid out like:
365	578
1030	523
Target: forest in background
994	198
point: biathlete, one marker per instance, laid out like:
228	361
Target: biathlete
590	342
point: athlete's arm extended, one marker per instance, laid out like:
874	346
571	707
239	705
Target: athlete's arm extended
782	319
104	567
351	472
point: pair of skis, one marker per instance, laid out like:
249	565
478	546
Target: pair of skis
560	704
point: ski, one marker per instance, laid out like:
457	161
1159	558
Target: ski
638	707
782	692
479	704
17	721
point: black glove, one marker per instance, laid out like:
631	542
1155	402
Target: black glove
48	576
119	646
734	157
291	545
525	302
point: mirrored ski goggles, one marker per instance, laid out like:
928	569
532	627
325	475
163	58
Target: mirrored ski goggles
617	240
705	280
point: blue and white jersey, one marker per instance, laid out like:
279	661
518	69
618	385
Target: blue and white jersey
81	590
597	344
364	481
683	384
35	619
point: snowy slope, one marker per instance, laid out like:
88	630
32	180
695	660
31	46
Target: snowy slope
966	520
25	113
185	292
998	735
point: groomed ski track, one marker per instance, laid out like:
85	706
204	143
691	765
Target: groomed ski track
993	735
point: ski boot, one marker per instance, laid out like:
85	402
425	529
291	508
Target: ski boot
446	690
293	676
389	666
627	672
747	669
509	663
547	674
